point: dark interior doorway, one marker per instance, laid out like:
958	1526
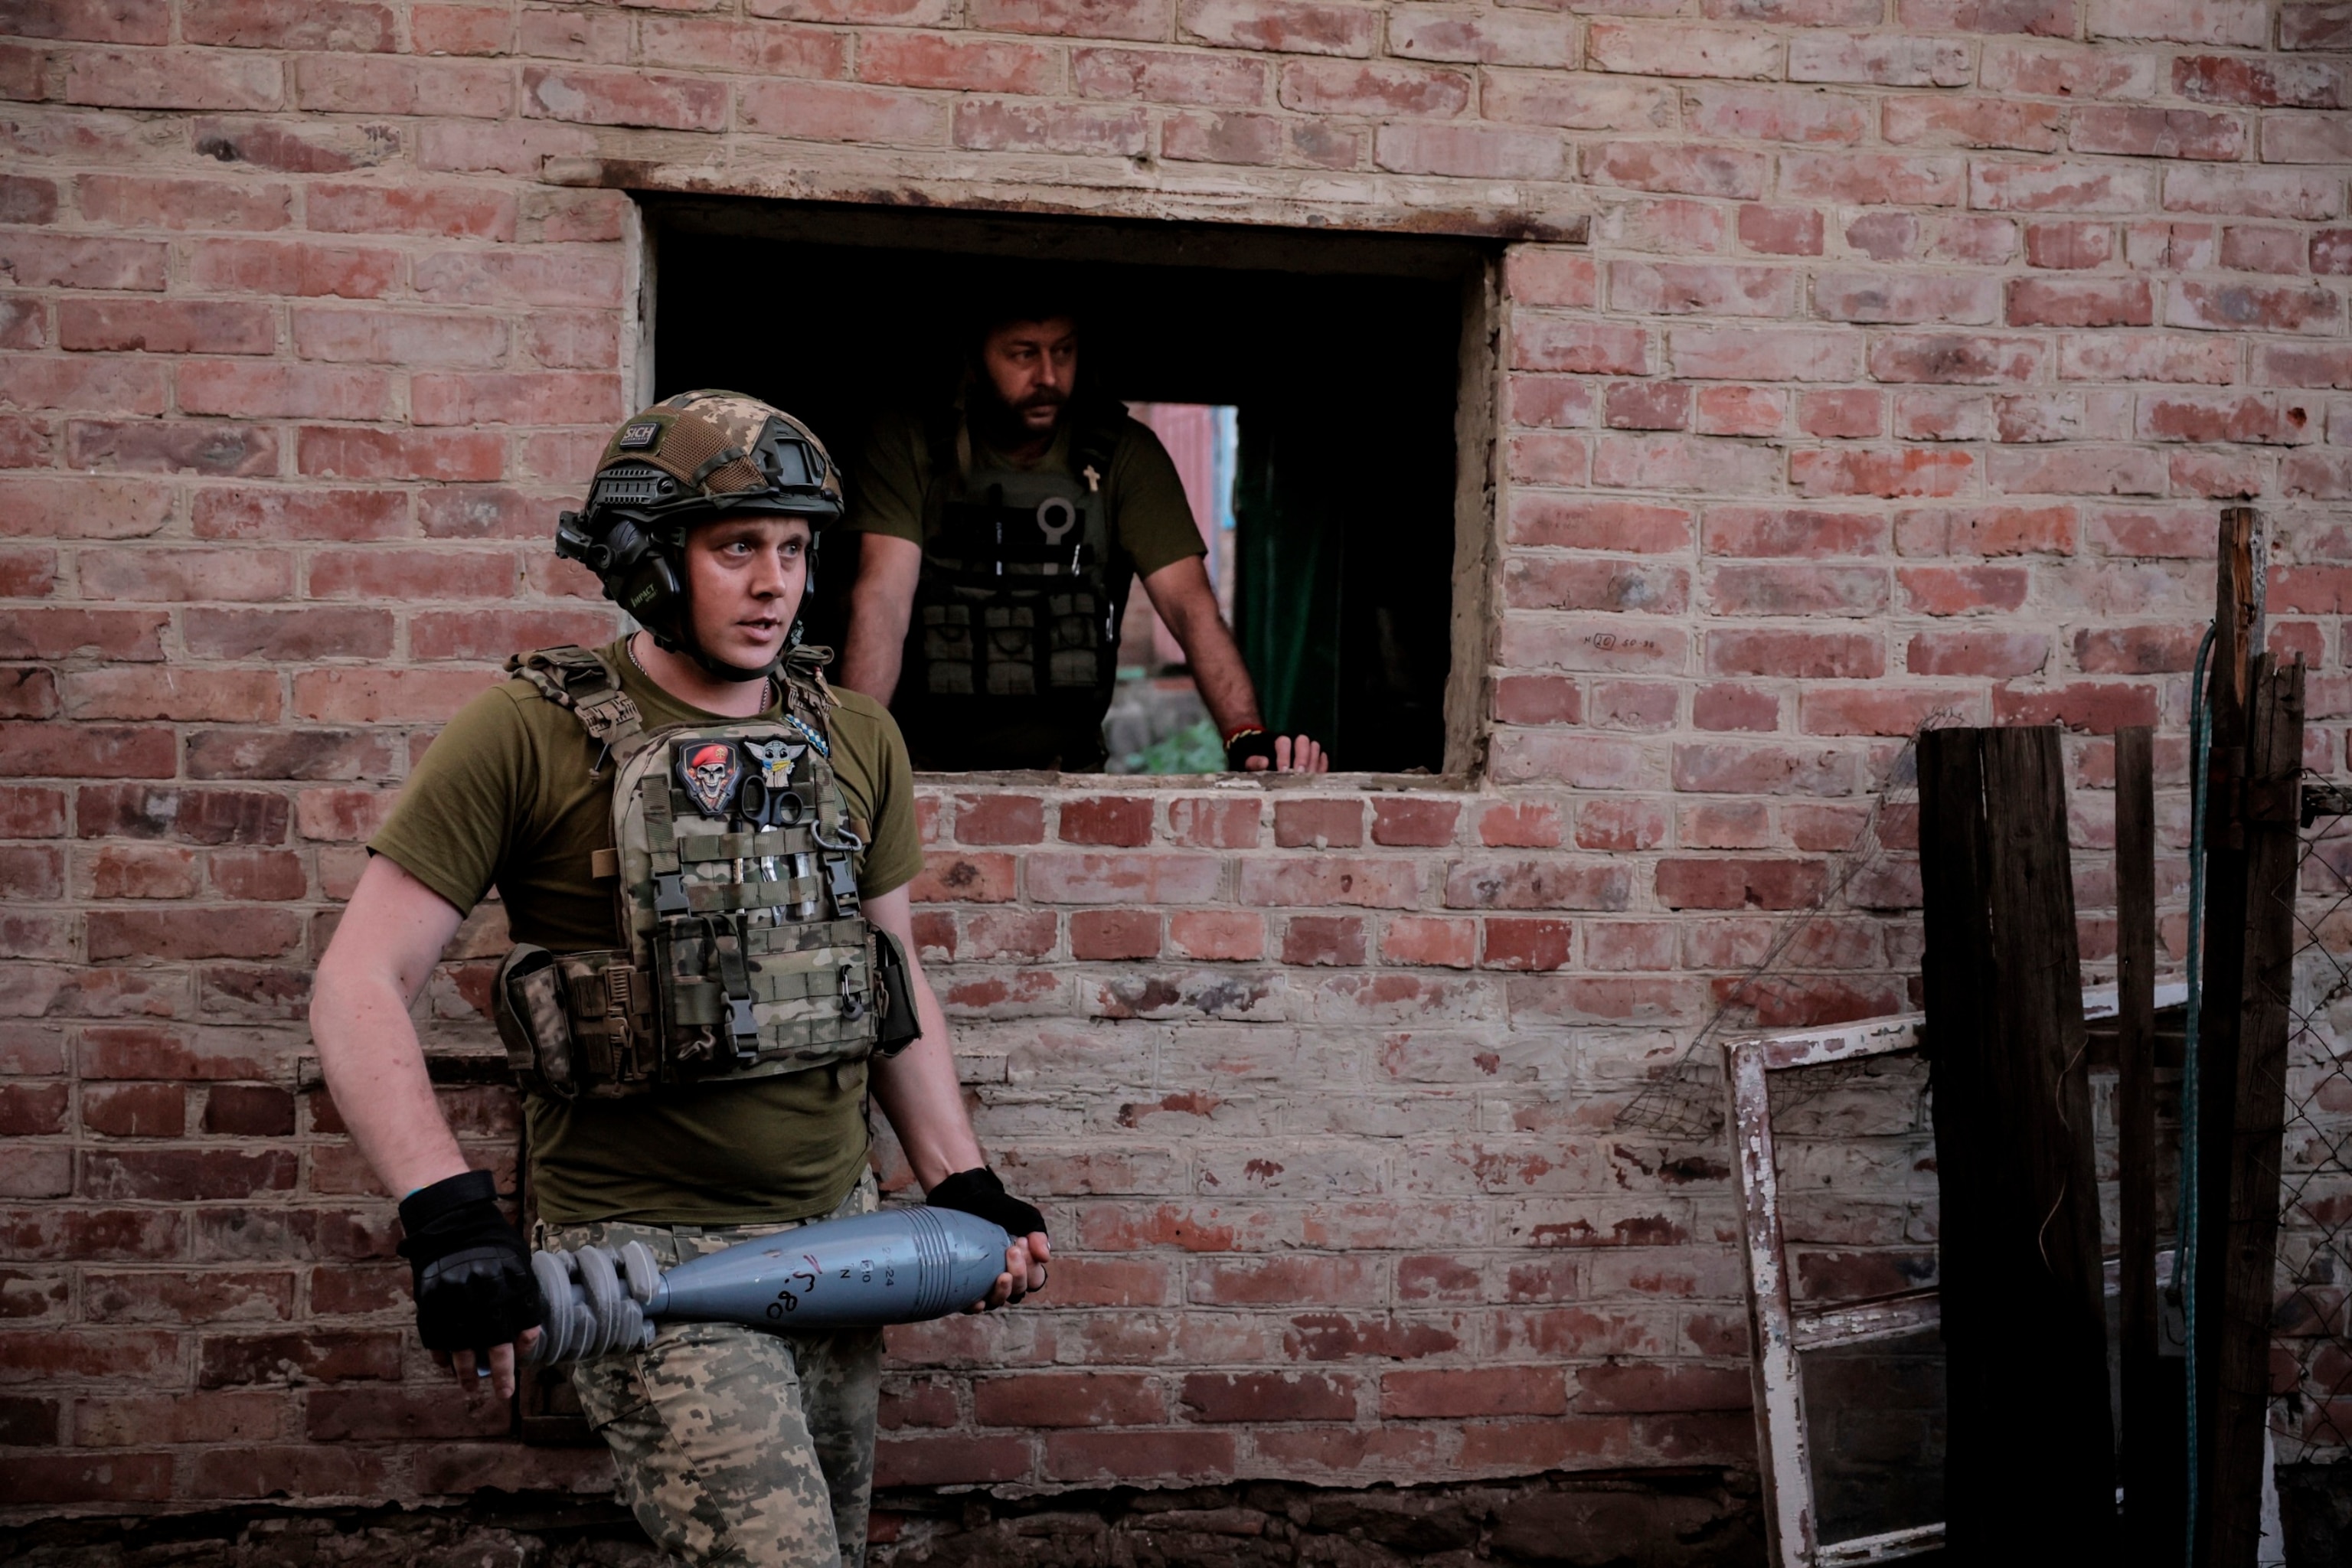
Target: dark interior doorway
1342	353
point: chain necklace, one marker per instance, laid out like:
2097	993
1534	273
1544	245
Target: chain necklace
770	696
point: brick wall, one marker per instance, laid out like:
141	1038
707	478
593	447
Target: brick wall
1912	348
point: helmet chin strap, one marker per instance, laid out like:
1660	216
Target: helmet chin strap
718	669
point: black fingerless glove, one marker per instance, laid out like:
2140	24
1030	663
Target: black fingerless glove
472	1274
1243	744
978	1192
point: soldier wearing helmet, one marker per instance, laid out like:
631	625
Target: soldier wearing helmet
703	854
999	535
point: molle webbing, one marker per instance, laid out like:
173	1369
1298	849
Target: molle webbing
747	954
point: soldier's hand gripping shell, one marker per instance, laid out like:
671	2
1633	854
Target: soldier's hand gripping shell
472	1276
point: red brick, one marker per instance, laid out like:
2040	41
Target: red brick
1679	50
134	1110
1282	27
1682	171
1215	935
1962	590
2248	307
233	931
2271	82
182	1173
1208	136
181	79
826	112
2081	302
1470	152
438	211
32	1110
1981	653
1268	1397
334	452
1880	58
256	1110
176	1296
2300	194
298	1356
1525	944
61	634
361	1413
1169	75
1123	821
1737	353
1954	359
1412	1394
1426	940
1103	935
137	870
950	1460
1311	940
1603	1389
350	84
1583	347
1402	820
1647	405
995	125
1069	1399
966	879
938	60
1205	823
1781	231
2100	707
85	750
1853	414
50	1480
624	98
2320	25
1973	123
178	447
1319	823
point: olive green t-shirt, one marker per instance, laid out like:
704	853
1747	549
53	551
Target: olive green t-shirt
504	798
1150	518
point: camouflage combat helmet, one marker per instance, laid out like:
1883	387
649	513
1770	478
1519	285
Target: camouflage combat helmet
686	459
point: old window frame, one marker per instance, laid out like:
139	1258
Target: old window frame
1778	1331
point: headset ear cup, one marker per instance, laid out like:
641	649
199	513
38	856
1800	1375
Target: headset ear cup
653	594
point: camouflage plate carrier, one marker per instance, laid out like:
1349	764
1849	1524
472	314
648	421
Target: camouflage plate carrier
748	955
1018	604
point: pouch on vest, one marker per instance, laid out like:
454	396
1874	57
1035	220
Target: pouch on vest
746	954
527	1002
899	1028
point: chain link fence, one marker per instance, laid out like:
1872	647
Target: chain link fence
2311	1411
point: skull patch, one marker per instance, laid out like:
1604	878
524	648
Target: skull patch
709	770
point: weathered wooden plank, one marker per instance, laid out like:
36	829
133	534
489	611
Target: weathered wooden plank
2238	634
2023	1318
2248	1252
2154	1451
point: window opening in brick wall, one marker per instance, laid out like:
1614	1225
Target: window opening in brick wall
1317	378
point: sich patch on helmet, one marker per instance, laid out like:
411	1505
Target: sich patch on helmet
639	435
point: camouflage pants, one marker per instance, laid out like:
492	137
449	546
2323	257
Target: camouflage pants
739	1449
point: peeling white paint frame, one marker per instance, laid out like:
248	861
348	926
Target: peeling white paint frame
1776	1332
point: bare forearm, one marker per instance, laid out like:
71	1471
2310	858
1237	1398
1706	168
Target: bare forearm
879	606
917	1091
375	1070
1218	672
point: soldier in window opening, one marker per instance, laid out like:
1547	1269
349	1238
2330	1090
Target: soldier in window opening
999	537
703	854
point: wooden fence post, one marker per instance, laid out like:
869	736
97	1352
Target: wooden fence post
2154	1452
2029	1463
2253	1100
